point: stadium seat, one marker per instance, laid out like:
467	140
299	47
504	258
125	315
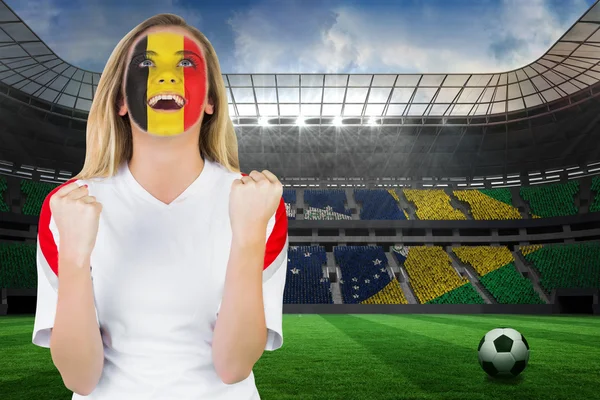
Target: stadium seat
498	274
433	278
433	204
3	186
595	204
17	266
489	204
551	200
365	277
378	204
305	283
326	205
35	194
289	198
567	266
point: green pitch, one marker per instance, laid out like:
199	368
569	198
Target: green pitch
372	357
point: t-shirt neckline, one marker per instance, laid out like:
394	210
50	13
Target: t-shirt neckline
198	186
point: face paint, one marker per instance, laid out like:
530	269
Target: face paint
165	84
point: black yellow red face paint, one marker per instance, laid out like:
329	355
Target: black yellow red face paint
166	83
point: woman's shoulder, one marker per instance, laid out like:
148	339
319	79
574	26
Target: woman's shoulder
225	173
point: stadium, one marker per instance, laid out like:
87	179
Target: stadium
423	211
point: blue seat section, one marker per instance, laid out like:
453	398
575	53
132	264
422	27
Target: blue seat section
334	198
377	204
289	196
305	283
364	271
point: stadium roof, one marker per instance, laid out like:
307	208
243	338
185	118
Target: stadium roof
571	65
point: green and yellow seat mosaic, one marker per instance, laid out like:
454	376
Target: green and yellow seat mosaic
551	200
3	186
390	294
595	204
35	194
17	266
433	204
567	266
489	204
498	274
434	280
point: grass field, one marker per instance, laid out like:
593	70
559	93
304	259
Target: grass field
372	357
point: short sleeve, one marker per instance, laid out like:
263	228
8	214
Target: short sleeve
47	274
274	275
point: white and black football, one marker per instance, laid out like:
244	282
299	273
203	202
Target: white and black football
503	352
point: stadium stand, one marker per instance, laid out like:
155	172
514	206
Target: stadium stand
433	204
378	204
433	278
3	186
498	274
551	200
289	198
326	205
17	266
567	266
595	204
489	204
35	194
305	283
365	277
395	196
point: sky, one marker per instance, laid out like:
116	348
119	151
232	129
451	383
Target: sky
321	36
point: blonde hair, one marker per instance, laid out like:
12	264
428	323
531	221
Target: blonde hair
108	135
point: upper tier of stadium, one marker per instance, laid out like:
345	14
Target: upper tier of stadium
568	67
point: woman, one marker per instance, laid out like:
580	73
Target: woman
172	263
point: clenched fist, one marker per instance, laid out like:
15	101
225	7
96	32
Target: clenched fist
76	215
253	201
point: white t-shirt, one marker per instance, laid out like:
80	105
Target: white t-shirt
158	274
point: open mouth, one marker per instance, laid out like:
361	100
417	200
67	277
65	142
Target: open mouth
166	102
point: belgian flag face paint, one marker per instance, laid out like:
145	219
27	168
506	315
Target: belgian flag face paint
166	83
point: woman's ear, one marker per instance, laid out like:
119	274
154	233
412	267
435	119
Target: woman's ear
122	107
209	108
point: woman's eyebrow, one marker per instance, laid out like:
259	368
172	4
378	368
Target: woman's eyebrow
145	54
186	53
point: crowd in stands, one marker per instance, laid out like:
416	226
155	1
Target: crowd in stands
305	283
569	266
433	204
35	194
433	278
3	186
489	204
378	204
595	203
551	200
326	205
393	193
17	265
498	274
365	276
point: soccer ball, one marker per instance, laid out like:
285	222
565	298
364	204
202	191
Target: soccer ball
503	352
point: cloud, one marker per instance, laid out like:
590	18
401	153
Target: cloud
485	37
86	39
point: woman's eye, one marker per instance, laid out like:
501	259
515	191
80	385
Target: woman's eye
146	63
186	63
